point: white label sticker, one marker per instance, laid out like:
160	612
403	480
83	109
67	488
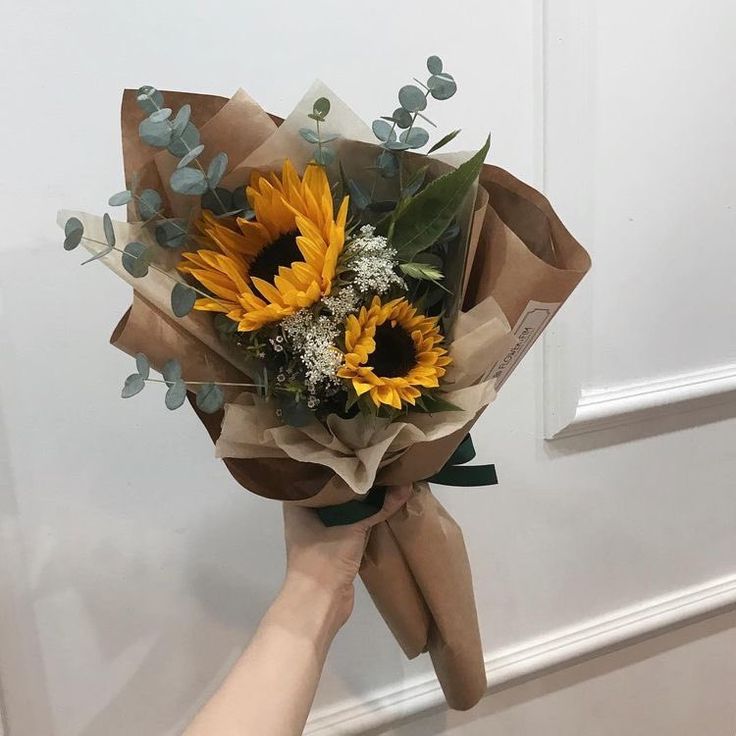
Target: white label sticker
527	329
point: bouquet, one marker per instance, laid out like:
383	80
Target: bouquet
338	309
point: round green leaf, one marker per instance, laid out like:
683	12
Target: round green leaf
188	181
182	299
171	370
397	146
135	259
442	86
133	385
160	115
321	108
309	135
181	120
388	164
149	204
210	398
182	143
383	131
434	65
73	231
109	229
324	156
176	395
189	157
155	133
412	98
415	137
220	204
149	98
171	233
216	169
402	117
120	198
142	364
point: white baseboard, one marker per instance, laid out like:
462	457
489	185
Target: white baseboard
606	408
532	657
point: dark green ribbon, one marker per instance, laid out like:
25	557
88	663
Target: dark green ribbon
452	473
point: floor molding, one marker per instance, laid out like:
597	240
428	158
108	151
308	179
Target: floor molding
533	657
606	408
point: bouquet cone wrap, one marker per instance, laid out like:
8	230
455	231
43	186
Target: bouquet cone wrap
416	567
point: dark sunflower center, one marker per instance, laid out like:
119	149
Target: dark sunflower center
395	354
282	252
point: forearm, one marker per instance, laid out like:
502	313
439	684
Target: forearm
270	689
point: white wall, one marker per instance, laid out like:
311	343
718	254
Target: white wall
133	569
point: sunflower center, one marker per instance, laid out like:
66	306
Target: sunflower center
395	354
282	252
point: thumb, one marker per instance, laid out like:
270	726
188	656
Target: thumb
396	497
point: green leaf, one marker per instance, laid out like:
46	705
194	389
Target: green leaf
176	394
155	133
422	271
189	157
160	115
414	137
171	233
432	404
388	164
442	86
210	398
149	204
225	325
188	181
324	156
216	169
383	131
359	198
443	141
182	143
415	182
171	370
309	135
136	259
142	364
321	108
149	99
434	65
219	201
108	229
97	256
412	98
182	299
426	216
120	198
181	120
73	231
402	117
133	385
296	413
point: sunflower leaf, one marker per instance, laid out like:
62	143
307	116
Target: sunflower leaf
420	223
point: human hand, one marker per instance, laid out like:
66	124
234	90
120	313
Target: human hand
327	559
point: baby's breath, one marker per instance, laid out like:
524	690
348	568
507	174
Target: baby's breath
373	262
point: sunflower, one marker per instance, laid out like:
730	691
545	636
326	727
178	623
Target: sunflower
392	352
263	270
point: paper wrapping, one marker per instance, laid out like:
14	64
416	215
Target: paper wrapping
416	567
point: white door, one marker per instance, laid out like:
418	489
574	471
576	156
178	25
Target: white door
133	569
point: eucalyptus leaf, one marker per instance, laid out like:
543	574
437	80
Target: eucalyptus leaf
143	365
224	324
120	198
97	256
219	201
189	157
176	395
171	370
182	299
149	99
160	115
442	86
239	199
210	398
183	142
155	133
324	156
388	164
73	232
133	385
412	98
149	204
321	108
171	233
434	65
414	137
188	181
402	117
358	197
309	135
383	131
329	137
296	413
108	229
443	141
397	146
136	259
181	120
216	169
426	216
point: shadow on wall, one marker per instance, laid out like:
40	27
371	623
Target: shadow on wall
506	706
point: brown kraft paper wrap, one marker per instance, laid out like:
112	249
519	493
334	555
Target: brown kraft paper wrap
416	567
